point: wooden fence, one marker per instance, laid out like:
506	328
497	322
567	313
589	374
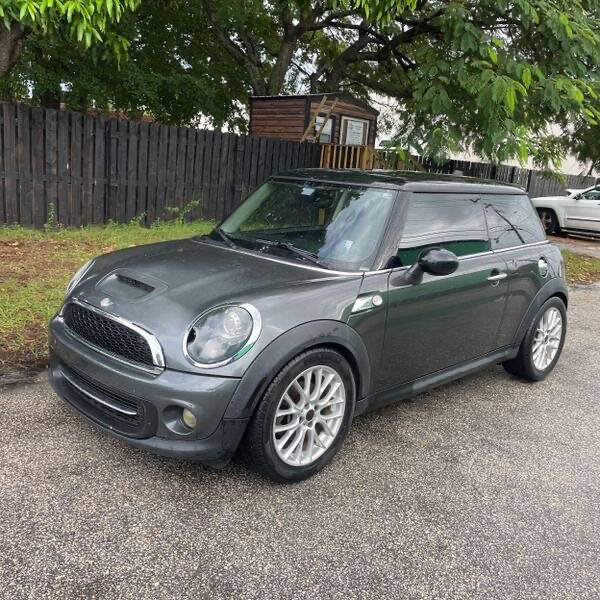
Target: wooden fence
537	183
82	169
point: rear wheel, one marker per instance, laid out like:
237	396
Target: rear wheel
543	343
549	220
302	418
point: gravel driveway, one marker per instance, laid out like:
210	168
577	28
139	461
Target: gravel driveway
485	488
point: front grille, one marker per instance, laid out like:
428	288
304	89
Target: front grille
123	413
107	334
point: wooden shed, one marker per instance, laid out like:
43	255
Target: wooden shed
340	118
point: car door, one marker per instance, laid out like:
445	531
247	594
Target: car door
517	236
447	320
583	211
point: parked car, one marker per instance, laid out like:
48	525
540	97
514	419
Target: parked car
578	211
326	293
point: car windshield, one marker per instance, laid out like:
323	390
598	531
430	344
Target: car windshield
336	226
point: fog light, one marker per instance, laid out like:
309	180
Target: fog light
187	416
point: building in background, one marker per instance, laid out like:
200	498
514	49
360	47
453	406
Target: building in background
347	121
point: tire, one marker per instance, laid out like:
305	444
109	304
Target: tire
549	220
527	363
258	449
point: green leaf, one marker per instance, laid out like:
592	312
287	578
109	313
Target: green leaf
493	55
526	76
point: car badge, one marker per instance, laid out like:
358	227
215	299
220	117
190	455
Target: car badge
105	302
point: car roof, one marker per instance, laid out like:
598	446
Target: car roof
414	181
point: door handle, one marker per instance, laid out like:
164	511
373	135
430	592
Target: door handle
497	277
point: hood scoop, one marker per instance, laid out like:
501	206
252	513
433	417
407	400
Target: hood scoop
124	284
136	283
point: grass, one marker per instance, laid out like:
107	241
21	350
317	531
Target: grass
581	269
36	265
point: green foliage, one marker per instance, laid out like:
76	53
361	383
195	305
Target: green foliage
86	20
490	76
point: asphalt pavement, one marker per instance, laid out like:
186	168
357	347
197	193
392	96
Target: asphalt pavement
485	488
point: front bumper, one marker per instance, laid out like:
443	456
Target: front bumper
144	409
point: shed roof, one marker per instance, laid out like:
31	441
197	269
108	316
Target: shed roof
341	95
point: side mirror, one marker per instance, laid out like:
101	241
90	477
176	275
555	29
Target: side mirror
435	261
577	196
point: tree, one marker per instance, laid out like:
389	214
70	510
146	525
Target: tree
491	75
172	70
85	21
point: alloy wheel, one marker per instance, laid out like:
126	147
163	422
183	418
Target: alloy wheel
547	338
309	415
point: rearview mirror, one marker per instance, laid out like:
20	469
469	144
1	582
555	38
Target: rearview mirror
435	261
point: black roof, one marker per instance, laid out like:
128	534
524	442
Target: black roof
414	181
340	95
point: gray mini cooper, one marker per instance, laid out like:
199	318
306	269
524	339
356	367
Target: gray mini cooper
326	293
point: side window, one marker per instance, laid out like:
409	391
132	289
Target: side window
452	221
592	195
512	221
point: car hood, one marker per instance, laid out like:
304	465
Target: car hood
164	287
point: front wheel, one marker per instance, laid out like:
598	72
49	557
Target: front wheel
303	417
549	220
543	343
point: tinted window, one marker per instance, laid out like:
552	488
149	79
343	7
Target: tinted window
592	195
451	221
512	221
341	225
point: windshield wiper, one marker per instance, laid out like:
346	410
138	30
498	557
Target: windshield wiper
304	254
225	237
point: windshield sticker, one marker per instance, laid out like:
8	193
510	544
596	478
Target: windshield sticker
347	244
308	191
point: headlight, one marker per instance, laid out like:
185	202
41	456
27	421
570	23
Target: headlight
222	335
77	277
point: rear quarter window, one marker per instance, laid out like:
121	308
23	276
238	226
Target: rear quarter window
455	222
512	221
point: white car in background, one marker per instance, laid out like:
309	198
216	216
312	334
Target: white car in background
578	211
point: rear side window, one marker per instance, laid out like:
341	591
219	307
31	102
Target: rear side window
512	221
452	221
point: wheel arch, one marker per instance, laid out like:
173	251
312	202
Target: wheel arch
335	335
554	288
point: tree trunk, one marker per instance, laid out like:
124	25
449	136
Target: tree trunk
284	58
11	46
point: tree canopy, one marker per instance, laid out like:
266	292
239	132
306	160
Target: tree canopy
492	76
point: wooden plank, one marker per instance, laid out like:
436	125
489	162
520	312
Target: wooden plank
198	172
131	172
206	173
246	163
231	168
76	154
181	156
64	169
238	170
87	199
260	175
224	178
112	188
152	176
171	172
121	203
214	174
253	172
99	197
51	163
269	155
24	158
11	207
38	209
188	181
141	174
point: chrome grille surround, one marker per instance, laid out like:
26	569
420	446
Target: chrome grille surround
154	363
